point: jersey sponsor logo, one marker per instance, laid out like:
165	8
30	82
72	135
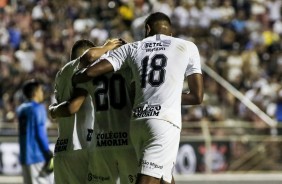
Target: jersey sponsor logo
97	179
61	145
150	165
146	111
155	46
112	139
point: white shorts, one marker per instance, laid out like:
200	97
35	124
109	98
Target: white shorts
71	167
108	165
31	174
156	143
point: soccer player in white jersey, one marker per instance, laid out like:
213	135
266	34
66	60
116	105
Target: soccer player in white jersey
71	156
159	65
112	155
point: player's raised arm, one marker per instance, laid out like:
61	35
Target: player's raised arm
98	68
95	53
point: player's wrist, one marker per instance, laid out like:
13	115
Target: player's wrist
108	47
48	154
52	112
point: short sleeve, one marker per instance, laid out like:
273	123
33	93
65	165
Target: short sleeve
194	63
119	56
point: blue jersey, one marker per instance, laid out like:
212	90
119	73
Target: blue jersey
33	138
279	112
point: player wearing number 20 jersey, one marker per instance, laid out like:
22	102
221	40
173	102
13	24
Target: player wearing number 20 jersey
112	155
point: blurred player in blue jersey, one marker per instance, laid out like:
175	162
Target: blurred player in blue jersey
35	155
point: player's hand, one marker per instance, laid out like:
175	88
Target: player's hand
48	167
123	42
113	43
51	109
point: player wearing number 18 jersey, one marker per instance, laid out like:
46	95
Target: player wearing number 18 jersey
159	65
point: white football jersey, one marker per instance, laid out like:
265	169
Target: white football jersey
112	154
113	108
74	132
159	65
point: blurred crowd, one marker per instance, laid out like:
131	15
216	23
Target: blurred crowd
239	39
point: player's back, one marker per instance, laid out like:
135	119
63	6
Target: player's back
71	135
30	115
160	64
112	154
113	107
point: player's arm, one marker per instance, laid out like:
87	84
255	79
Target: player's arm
95	70
95	53
195	94
194	78
70	107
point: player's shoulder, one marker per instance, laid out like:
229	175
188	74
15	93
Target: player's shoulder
133	45
21	107
188	42
68	67
191	46
26	106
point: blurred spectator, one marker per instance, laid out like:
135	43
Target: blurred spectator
181	16
141	8
226	11
162	6
83	23
14	35
26	57
234	66
126	13
274	10
54	46
99	34
42	12
278	113
4	34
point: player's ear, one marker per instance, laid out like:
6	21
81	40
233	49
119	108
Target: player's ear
147	30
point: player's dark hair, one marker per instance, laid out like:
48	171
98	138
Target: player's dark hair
80	45
29	88
153	18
